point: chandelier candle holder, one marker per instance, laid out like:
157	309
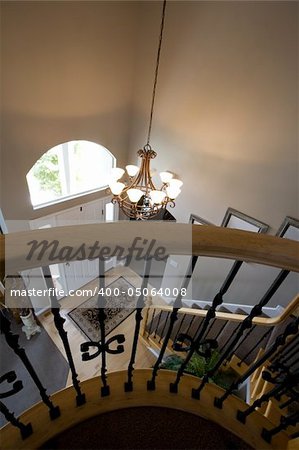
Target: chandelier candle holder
139	199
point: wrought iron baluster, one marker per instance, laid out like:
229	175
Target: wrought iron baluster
13	341
151	322
164	326
245	325
204	328
25	430
210	327
190	325
105	389
287	348
211	314
242	415
59	324
289	356
103	345
254	347
151	385
179	328
11	377
138	319
158	323
285	422
195	343
290	329
221	329
230	337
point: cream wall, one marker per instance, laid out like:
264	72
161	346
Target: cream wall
66	74
226	117
226	111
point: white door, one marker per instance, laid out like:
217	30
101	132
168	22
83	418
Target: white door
79	273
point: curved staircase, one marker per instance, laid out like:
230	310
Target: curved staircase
261	351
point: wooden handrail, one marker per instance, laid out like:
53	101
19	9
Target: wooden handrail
265	321
180	239
140	396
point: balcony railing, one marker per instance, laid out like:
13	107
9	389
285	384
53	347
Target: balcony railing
275	366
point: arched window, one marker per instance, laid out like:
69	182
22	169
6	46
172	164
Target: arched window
69	170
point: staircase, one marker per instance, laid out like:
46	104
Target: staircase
259	404
249	351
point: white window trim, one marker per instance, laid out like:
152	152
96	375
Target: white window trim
69	197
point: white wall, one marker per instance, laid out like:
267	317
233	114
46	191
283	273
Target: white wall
226	116
66	74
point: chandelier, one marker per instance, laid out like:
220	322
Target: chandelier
139	198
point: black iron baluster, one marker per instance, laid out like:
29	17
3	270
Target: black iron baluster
164	326
59	322
151	323
245	325
26	430
138	318
211	314
254	347
290	329
287	348
11	377
105	389
276	390
204	328
12	341
195	343
102	345
179	328
151	385
285	422
289	356
158	323
230	338
190	324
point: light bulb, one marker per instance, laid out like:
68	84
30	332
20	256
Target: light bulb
116	187
166	176
134	195
157	196
117	173
173	192
132	170
175	183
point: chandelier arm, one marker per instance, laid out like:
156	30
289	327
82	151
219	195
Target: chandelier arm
156	72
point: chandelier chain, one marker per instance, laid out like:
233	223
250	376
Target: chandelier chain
156	73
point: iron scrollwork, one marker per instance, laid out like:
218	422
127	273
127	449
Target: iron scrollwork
184	342
87	356
17	386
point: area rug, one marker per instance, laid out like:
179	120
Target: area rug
49	364
119	307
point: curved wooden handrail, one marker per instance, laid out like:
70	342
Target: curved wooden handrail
43	429
180	239
265	321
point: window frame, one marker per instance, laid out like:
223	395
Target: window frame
70	196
